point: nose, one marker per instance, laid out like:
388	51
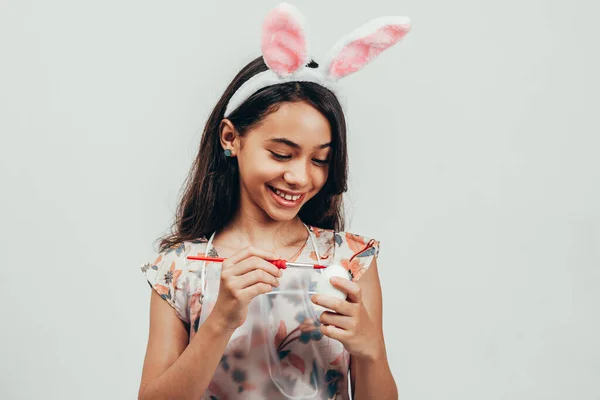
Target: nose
297	174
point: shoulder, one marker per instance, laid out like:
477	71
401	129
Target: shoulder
177	253
354	251
168	273
347	241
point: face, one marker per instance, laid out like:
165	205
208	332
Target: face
284	161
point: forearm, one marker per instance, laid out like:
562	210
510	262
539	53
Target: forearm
189	376
374	379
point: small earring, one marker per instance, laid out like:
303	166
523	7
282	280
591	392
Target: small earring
227	153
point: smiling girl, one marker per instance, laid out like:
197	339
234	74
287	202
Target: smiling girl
267	183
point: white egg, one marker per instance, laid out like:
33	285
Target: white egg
325	287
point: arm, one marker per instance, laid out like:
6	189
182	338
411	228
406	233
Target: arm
375	379
357	323
172	368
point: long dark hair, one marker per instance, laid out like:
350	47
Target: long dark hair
211	190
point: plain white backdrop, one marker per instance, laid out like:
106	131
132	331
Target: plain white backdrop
473	157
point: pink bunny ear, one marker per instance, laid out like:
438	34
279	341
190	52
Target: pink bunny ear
361	46
283	42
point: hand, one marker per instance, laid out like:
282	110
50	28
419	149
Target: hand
244	275
350	322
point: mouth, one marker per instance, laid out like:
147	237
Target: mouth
286	199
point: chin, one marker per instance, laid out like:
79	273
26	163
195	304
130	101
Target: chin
280	215
283	218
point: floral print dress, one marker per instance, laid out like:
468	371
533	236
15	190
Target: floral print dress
279	352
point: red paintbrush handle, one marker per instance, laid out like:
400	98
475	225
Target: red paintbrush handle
201	258
281	264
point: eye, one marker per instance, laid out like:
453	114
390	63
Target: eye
280	156
321	162
286	157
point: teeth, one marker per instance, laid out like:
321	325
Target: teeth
287	196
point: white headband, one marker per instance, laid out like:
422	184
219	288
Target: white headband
285	51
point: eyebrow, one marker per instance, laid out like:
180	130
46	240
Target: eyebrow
296	145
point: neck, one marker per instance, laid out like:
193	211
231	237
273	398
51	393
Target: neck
246	230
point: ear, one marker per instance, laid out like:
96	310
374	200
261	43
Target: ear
362	45
283	41
228	136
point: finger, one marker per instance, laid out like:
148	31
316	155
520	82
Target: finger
333	303
350	288
252	263
334	332
341	321
252	291
256	276
248	252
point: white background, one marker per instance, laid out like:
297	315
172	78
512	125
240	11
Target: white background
474	159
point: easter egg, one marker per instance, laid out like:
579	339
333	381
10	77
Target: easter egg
325	287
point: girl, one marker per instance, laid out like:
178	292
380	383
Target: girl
267	184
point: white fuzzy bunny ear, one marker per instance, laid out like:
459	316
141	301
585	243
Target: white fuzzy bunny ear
283	41
362	45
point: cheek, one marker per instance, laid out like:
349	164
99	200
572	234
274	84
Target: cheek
320	177
268	171
255	172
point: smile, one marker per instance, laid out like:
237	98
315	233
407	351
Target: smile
284	198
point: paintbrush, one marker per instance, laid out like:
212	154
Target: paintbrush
281	264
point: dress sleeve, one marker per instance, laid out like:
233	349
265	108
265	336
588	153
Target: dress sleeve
167	276
355	252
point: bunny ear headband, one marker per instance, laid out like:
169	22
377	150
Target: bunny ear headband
284	50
